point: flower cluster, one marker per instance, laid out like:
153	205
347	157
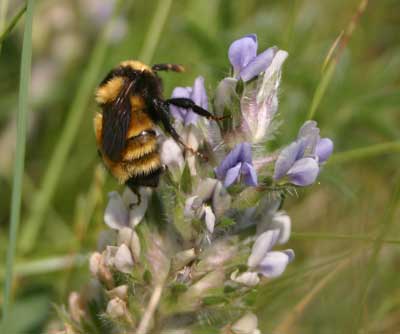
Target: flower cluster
212	231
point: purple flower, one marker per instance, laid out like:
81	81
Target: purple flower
243	57
237	162
300	161
199	96
266	262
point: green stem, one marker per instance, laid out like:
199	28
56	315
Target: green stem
11	25
333	236
25	79
321	89
365	152
154	32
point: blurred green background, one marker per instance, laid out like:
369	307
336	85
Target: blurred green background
346	228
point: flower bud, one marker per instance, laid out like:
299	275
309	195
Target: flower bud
129	237
94	263
120	291
172	157
116	308
246	325
247	278
75	306
181	259
123	261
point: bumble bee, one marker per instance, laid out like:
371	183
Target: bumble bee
131	102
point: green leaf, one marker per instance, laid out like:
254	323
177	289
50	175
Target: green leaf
226	222
147	277
186	180
214	300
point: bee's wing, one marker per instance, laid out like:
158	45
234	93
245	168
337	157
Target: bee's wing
116	120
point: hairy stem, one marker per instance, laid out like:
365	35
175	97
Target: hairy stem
144	325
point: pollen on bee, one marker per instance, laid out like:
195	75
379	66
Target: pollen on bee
109	91
135	65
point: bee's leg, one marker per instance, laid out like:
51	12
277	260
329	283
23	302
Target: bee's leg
189	104
163	113
136	190
168	67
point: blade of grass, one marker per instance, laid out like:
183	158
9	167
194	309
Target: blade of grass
11	24
154	32
333	237
25	79
3	15
365	152
47	265
286	326
388	221
57	162
331	65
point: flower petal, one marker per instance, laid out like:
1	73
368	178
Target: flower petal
250	175
286	159
245	153
303	172
199	94
274	264
262	246
242	51
324	149
171	156
282	221
179	113
116	214
224	94
309	132
229	161
137	211
258	64
123	261
232	174
209	218
290	254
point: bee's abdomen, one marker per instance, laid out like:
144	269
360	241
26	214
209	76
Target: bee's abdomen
141	154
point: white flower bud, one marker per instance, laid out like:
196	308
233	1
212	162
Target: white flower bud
123	261
247	278
109	256
209	218
130	238
120	291
116	308
246	325
75	306
94	263
172	157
